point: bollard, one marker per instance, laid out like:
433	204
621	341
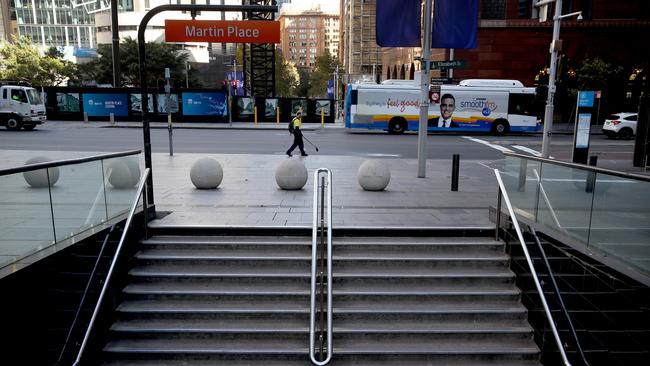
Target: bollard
85	117
169	129
322	117
277	115
111	117
255	113
591	176
455	165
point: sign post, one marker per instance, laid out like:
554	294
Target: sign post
582	127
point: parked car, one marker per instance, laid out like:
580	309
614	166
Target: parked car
621	125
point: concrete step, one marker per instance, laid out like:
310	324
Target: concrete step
289	345
338	360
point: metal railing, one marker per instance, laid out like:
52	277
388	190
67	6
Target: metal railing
503	193
142	191
319	268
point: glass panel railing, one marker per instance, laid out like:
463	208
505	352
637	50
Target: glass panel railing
620	222
122	175
605	211
25	215
62	201
564	203
521	179
78	199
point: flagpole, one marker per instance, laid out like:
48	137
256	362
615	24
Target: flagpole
424	92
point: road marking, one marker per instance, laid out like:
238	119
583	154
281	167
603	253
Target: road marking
527	149
496	147
384	155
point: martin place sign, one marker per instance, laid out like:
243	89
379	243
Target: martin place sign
248	31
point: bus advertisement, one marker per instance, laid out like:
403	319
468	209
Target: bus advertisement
493	106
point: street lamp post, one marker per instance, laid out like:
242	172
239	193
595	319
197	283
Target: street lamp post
556	47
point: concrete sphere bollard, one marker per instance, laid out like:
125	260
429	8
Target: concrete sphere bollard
124	173
291	174
373	175
206	173
38	178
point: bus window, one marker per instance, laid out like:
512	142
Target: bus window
522	104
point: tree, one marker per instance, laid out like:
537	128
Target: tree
286	76
323	71
159	57
21	61
304	79
595	74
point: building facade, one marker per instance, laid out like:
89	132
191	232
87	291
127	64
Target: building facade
57	22
360	54
308	33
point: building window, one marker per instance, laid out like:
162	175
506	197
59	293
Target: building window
493	9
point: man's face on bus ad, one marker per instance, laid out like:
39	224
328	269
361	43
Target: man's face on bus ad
447	107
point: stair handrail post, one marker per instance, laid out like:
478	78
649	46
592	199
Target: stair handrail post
314	265
533	273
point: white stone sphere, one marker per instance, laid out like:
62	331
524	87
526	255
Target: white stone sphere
206	173
124	173
291	174
38	178
373	175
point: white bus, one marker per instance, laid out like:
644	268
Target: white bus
474	105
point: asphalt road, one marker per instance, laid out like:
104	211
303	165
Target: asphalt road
331	141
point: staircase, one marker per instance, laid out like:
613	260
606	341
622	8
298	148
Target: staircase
216	300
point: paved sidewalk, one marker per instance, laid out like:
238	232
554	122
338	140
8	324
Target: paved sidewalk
249	195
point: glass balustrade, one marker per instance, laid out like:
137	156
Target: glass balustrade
41	209
607	213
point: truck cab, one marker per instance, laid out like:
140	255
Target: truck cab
21	107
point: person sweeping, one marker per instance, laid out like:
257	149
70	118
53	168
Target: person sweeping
294	128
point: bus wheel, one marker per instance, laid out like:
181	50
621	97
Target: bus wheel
397	125
500	127
13	123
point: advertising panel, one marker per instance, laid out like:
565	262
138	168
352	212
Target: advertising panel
204	104
324	105
162	103
299	105
102	105
269	107
136	103
245	106
67	102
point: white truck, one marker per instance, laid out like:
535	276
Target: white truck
20	107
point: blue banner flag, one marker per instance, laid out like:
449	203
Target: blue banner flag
455	24
398	23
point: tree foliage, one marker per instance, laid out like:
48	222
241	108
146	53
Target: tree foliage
158	57
595	74
323	71
21	61
286	76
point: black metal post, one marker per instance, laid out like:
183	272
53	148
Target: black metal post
455	167
591	176
116	45
641	152
146	131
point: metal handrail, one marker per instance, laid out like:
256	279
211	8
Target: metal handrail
589	168
556	289
533	273
141	190
314	264
52	164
